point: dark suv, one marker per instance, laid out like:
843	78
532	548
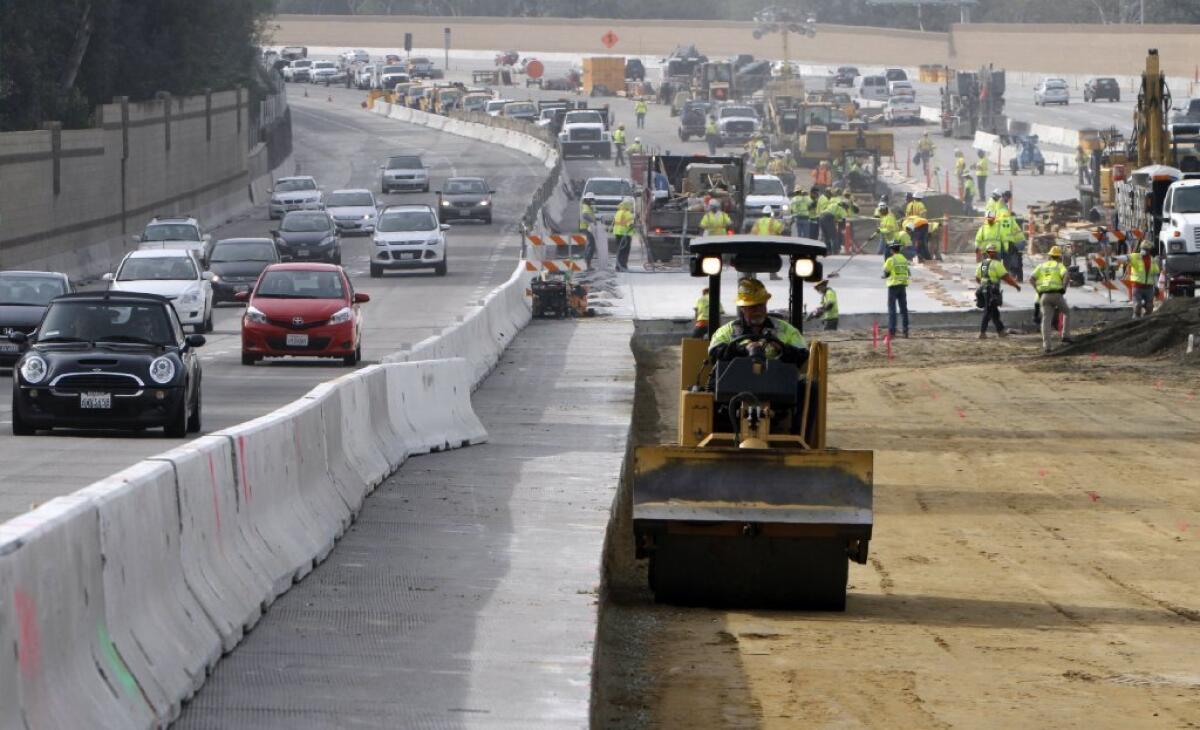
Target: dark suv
1102	88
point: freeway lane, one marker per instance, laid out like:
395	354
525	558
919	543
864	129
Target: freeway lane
342	146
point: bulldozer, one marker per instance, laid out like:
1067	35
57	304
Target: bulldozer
751	507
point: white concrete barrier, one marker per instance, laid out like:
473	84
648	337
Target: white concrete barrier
10	639
429	404
392	443
219	547
154	620
69	673
325	504
355	459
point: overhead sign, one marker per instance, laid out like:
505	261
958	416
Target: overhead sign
609	39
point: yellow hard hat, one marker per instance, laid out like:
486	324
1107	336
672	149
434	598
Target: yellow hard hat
751	292
1055	252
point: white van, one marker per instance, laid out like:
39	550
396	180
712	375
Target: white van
901	88
874	88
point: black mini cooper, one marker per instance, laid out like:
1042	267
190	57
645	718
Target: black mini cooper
108	360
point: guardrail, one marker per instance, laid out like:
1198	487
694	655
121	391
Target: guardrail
118	600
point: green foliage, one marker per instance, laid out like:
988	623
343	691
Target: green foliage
128	48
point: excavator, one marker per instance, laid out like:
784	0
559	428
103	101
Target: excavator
750	507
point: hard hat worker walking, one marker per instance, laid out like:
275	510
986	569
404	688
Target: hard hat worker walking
1049	279
896	272
989	274
756	334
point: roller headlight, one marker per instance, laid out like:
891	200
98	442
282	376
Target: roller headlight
34	369
711	265
804	268
255	316
342	315
162	370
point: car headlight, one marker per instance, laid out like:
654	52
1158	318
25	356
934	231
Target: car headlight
162	370
191	297
215	279
255	315
1176	247
342	315
367	216
434	241
34	369
445	202
485	202
380	242
327	241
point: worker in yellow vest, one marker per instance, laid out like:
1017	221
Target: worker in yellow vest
960	164
622	228
981	173
896	272
1143	273
715	222
828	311
916	207
768	225
712	135
990	233
888	228
989	273
701	323
800	207
639	111
618	138
635	148
1049	279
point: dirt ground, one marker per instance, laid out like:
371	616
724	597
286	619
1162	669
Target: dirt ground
1035	559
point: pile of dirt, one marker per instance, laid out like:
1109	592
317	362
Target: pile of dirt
1162	333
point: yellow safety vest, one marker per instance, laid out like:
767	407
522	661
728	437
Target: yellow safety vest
715	224
915	209
640	108
1050	276
801	206
767	227
991	233
782	329
829	302
619	136
586	217
896	268
1138	271
710	129
994	272
623	223
702	308
981	167
888	227
960	164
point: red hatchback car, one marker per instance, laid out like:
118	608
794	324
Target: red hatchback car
302	310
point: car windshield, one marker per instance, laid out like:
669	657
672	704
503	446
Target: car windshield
291	186
524	109
404	163
394	70
16	289
305	222
766	186
584	118
465	186
287	284
159	268
901	100
171	232
406	221
494	105
1186	200
350	200
301	64
235	251
1056	84
1106	82
113	321
609	188
418	61
737	111
324	64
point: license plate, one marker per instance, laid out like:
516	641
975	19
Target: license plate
414	255
93	401
302	252
8	347
297	340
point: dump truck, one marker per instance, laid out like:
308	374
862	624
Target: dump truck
671	216
713	81
750	507
603	75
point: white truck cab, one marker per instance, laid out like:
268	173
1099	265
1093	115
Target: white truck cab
1179	238
584	133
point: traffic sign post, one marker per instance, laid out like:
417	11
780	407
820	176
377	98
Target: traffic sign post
446	33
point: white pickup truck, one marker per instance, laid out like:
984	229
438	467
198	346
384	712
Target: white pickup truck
1179	238
585	134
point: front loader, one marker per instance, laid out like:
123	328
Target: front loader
750	507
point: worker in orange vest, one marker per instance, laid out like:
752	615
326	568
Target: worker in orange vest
822	175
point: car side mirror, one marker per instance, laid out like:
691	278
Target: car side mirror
361	297
445	226
18	338
136	238
242	296
107	277
195	340
207	276
274	233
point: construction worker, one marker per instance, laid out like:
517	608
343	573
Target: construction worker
968	193
916	207
917	229
1006	203
755	333
990	233
888	228
618	138
800	208
925	148
1014	242
895	271
636	147
1049	280
1081	163
994	204
639	111
768	225
827	220
761	158
822	176
989	273
715	222
845	208
960	164
587	219
788	175
828	311
1143	274
622	228
701	327
981	173
712	135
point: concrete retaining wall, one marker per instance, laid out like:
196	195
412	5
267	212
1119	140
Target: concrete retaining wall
70	200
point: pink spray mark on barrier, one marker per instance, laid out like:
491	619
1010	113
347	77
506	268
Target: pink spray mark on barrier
242	463
212	478
1092	495
888	341
29	641
961	413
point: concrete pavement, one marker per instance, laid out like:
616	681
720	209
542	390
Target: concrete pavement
466	595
